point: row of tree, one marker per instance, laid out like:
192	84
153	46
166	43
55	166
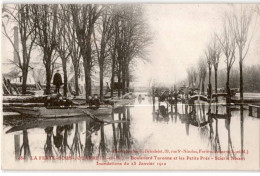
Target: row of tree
107	38
231	44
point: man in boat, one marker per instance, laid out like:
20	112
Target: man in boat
94	102
57	81
57	102
175	95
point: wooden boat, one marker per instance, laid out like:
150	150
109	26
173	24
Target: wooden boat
43	112
25	99
119	102
126	99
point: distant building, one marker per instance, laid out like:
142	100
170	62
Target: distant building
37	72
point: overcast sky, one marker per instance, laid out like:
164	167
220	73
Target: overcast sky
180	35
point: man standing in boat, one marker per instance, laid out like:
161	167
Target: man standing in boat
57	81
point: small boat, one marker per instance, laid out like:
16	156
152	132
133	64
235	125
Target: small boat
119	102
126	99
43	112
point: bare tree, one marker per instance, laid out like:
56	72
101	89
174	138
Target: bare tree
209	54
192	76
45	19
202	73
132	38
21	15
73	47
216	51
104	35
64	45
75	57
228	46
240	24
84	18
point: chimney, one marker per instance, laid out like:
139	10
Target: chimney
16	44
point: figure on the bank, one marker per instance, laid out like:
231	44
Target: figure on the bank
57	81
140	98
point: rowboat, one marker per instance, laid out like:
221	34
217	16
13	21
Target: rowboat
43	112
125	100
122	102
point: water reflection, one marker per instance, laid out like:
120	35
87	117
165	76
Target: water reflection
242	128
87	138
25	146
48	145
207	123
88	149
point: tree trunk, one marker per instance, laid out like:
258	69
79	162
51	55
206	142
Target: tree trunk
112	77
210	91
216	84
76	72
241	81
87	80
216	88
101	77
65	86
48	78
123	77
127	79
86	54
203	87
228	99
209	75
119	80
25	73
210	87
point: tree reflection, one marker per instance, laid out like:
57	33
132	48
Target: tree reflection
65	145
227	123
76	147
48	144
217	146
88	149
242	129
25	146
114	134
123	138
102	145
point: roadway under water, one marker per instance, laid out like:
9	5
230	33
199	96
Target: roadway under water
150	133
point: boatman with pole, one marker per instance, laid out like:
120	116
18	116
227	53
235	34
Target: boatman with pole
57	81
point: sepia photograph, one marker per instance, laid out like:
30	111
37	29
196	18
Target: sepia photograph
130	86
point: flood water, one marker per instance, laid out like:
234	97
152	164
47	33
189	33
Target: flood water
147	130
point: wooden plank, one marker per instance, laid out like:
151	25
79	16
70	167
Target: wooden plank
23	104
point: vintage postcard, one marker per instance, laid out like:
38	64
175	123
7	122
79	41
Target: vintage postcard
130	86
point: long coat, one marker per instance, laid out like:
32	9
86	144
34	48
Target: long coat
57	80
